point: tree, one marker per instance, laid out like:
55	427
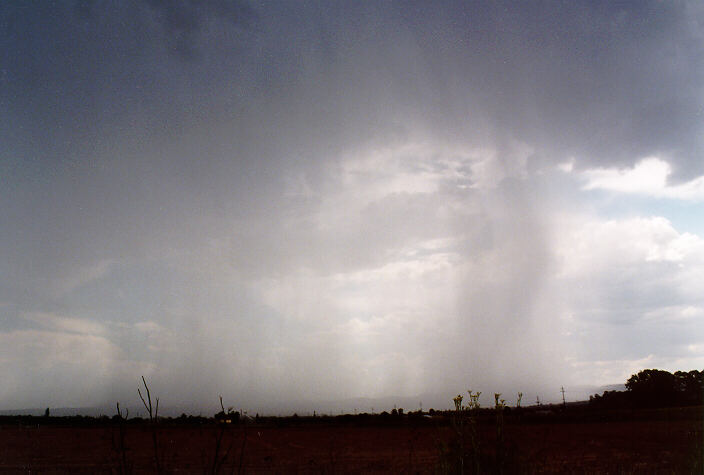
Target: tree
656	388
653	388
690	386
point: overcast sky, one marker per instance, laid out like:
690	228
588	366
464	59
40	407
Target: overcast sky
280	202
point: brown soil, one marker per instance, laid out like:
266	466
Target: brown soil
654	446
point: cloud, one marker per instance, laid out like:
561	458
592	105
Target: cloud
56	368
83	276
51	322
647	177
628	289
606	372
184	19
588	244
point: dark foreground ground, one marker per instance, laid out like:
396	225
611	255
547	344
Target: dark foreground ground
657	441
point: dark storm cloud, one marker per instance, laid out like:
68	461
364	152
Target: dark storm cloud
606	83
184	19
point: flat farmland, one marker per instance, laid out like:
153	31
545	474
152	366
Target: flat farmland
665	442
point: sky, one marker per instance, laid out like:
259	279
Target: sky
293	203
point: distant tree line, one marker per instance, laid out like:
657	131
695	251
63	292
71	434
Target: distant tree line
656	388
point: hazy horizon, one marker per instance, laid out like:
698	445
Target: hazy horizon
425	402
277	202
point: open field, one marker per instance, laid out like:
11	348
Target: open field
664	441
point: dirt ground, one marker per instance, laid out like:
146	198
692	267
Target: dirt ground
655	446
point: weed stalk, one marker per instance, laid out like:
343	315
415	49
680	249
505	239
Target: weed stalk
119	444
219	461
153	418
